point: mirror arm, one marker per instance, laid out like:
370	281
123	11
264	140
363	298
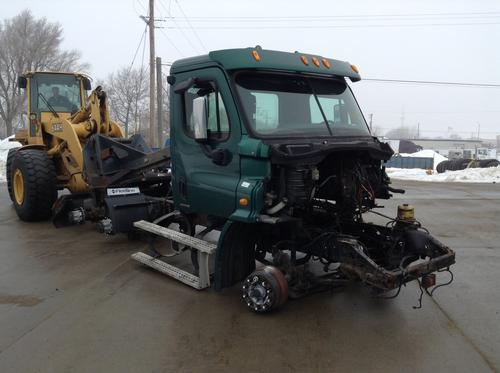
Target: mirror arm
221	157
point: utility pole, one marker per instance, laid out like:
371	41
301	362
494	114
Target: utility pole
151	24
159	101
478	130
418	130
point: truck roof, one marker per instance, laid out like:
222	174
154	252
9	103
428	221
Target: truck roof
258	58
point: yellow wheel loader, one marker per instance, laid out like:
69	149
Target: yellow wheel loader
71	143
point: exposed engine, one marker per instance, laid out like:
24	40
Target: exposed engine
315	206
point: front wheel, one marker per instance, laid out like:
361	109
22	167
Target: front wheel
34	184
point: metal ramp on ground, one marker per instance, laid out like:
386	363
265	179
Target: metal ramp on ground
204	248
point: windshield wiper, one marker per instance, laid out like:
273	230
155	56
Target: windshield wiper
320	107
48	105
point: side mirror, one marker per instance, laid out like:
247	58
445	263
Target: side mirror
86	84
22	82
200	119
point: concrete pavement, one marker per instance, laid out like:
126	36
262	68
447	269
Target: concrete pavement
72	301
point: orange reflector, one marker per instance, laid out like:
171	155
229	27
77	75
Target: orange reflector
316	61
255	55
326	63
355	69
305	61
244	201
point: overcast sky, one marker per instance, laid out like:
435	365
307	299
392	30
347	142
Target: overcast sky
454	41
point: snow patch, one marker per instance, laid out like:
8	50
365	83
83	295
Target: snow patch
469	175
5	145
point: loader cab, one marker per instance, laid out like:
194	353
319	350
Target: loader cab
48	93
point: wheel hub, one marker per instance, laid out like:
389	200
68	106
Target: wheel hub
18	183
265	289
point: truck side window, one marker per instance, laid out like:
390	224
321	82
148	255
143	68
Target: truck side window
217	120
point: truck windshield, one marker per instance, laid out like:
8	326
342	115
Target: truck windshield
284	105
61	92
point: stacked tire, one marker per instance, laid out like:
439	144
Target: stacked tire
485	163
32	183
463	163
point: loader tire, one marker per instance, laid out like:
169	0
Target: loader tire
34	184
8	173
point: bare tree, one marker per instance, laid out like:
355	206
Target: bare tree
29	44
128	92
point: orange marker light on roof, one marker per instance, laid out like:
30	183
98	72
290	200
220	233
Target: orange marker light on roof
316	61
305	61
244	201
326	63
355	69
255	55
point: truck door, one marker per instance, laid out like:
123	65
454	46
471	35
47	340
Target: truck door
205	175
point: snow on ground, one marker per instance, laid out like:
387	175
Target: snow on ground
2	171
469	175
5	145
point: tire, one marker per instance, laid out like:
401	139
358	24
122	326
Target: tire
459	164
485	163
34	184
10	157
442	167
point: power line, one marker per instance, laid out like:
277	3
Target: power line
275	27
466	14
138	46
140	4
177	26
460	84
438	131
143	53
190	25
171	42
338	19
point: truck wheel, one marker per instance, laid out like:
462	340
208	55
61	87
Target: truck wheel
34	184
8	173
265	289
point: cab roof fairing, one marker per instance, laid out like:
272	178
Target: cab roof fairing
243	58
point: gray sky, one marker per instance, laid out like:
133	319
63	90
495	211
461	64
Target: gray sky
458	42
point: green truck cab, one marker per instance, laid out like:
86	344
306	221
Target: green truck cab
253	99
271	148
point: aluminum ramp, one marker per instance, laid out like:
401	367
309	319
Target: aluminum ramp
204	248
